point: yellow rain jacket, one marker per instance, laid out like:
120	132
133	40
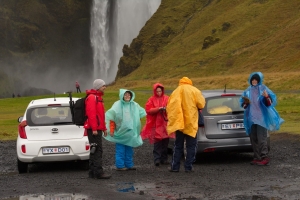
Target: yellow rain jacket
182	108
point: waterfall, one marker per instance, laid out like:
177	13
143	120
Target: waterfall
113	24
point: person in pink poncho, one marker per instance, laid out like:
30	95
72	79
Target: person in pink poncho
156	124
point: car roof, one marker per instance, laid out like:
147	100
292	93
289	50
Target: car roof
46	101
219	92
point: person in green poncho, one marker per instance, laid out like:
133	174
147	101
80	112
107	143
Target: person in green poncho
123	122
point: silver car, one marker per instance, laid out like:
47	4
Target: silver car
223	128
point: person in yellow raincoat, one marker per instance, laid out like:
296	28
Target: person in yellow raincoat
182	110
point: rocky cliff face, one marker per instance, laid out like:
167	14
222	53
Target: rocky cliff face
42	40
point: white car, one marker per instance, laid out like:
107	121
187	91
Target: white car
47	134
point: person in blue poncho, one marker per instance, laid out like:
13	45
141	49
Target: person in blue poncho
260	116
123	122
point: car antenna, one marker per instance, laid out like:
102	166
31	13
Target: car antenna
225	89
54	97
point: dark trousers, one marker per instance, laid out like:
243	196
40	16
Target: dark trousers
78	89
178	152
259	141
95	163
160	151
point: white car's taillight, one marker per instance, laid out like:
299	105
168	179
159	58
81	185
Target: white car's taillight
87	146
85	133
22	131
23	148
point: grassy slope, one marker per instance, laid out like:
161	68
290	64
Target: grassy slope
263	36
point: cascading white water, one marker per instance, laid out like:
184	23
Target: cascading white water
115	23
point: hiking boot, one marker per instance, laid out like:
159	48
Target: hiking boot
189	171
91	174
165	162
132	168
263	162
122	169
254	162
157	163
172	170
103	176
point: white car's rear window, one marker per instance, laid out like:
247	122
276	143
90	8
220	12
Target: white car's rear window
49	116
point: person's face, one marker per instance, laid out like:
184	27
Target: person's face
127	96
158	91
102	88
254	82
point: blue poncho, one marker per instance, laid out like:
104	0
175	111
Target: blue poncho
257	112
127	117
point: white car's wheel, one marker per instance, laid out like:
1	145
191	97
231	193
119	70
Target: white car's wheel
84	164
22	167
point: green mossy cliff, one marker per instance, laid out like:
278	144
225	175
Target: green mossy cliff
36	35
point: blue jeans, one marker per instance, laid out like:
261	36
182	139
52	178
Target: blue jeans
191	150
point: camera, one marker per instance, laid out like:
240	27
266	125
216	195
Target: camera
93	148
163	108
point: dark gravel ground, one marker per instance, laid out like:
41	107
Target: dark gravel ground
216	176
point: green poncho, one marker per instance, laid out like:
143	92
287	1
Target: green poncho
127	117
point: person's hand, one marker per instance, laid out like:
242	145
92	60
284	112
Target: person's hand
162	108
111	134
95	132
105	133
265	94
246	100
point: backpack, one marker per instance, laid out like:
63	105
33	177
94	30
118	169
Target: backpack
78	111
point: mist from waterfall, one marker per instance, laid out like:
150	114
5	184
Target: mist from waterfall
113	24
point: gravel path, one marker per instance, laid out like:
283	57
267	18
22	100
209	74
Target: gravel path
216	176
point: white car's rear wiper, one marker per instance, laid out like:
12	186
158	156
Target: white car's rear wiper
55	123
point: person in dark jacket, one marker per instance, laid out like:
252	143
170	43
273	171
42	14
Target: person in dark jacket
77	87
95	128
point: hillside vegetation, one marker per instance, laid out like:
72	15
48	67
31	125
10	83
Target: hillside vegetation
216	42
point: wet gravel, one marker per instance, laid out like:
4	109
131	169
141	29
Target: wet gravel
217	176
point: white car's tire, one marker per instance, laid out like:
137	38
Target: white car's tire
22	167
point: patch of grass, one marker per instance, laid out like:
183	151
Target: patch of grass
12	108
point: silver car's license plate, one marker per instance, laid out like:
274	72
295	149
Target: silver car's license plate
56	150
233	126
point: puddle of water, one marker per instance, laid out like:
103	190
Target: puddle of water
131	187
51	197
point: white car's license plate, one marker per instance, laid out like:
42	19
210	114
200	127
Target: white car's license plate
233	126
56	150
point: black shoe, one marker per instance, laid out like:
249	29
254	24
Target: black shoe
189	170
172	170
157	163
132	168
165	162
122	169
91	175
103	176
